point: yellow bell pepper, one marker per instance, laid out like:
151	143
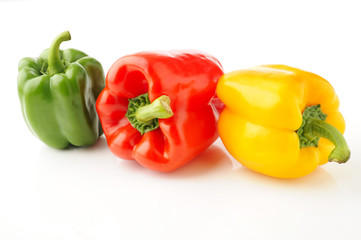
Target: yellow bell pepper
281	121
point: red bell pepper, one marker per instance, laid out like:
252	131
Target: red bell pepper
176	123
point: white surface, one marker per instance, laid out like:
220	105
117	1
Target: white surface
90	194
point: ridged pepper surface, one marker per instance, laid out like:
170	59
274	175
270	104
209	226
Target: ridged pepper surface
57	92
281	121
157	107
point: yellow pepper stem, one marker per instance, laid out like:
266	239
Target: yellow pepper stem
318	128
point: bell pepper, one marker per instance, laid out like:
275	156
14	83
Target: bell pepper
156	107
57	92
281	121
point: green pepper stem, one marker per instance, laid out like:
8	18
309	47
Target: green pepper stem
159	108
55	64
316	127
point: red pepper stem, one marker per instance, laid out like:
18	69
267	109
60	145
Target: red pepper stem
316	127
55	64
159	108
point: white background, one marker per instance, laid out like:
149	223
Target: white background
87	193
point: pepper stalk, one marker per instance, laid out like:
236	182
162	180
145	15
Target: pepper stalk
55	64
314	126
143	115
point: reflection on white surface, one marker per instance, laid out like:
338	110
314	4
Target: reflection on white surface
88	194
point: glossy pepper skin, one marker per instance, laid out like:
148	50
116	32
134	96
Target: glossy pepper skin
265	107
188	80
57	92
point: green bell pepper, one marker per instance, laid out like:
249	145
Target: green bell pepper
57	92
